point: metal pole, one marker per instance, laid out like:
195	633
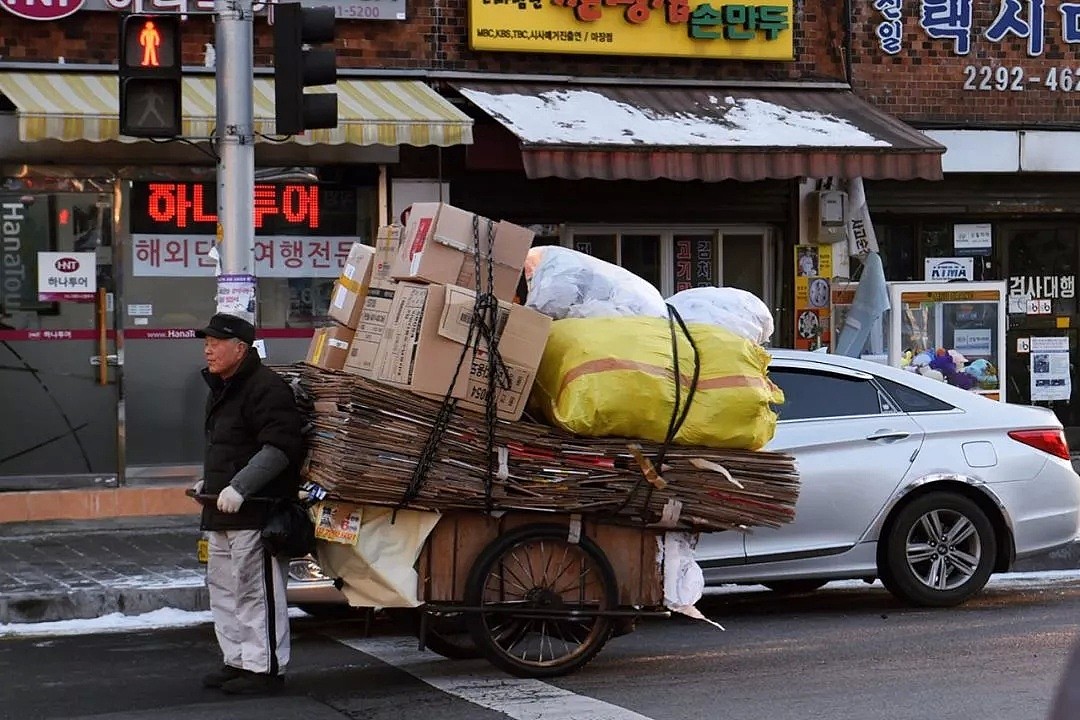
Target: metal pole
236	157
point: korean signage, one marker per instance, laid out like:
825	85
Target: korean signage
677	28
56	9
813	275
973	238
301	229
67	277
695	262
1049	287
952	22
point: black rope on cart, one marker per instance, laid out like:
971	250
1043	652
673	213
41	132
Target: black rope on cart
483	326
679	411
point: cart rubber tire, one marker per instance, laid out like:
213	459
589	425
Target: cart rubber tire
456	646
482	634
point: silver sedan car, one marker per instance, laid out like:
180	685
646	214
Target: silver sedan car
928	487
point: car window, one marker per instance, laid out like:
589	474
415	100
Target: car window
810	394
911	400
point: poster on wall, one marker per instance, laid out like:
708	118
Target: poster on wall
1050	379
236	296
67	277
813	275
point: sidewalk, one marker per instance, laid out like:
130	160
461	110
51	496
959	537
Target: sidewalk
69	569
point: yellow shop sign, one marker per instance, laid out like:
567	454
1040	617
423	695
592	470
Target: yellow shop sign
674	28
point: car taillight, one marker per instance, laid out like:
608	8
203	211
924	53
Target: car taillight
1049	441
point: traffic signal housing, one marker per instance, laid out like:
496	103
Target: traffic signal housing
297	67
151	76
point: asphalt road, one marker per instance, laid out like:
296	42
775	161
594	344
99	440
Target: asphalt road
839	654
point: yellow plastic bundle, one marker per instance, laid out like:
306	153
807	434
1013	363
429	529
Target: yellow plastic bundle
614	377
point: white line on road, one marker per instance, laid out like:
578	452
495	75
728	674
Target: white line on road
517	698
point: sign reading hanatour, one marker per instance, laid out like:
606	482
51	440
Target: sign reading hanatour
67	276
676	28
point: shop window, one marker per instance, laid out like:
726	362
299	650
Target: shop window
641	256
744	263
604	247
1042	264
695	261
896	247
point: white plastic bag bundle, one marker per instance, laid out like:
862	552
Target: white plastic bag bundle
565	283
733	309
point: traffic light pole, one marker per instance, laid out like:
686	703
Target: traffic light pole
236	157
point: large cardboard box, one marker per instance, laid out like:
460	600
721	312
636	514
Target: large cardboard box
347	300
439	243
426	330
329	346
380	296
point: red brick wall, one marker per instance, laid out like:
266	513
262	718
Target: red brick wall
435	37
924	82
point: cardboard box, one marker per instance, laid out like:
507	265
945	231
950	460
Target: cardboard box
376	309
330	346
426	329
347	300
438	246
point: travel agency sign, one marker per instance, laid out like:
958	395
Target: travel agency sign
673	28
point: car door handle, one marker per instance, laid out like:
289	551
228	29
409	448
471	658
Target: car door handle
888	435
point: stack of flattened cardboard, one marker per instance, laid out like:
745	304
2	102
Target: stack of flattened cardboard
410	306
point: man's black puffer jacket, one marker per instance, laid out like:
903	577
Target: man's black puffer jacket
253	408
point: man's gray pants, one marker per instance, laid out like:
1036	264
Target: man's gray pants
247	601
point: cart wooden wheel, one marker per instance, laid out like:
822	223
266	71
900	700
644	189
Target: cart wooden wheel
447	634
537	596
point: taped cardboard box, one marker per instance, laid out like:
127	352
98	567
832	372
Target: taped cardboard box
427	327
380	296
439	243
330	346
347	300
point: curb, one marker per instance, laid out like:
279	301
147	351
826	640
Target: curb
88	604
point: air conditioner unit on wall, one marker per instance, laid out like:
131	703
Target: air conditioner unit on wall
830	216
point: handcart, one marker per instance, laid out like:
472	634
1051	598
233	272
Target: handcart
537	594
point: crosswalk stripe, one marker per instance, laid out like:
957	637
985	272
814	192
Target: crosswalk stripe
517	698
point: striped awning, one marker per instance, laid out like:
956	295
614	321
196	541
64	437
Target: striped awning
72	106
638	132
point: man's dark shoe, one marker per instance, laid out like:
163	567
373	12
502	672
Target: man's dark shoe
221	676
254	684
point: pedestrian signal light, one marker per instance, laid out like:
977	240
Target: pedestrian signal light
151	76
297	67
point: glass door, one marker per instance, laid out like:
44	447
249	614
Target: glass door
58	372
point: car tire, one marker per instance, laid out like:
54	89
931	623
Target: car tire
939	550
795	587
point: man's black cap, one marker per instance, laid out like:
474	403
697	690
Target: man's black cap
227	327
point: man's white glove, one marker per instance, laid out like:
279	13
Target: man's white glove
229	501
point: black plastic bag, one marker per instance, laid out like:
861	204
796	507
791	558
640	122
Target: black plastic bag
289	531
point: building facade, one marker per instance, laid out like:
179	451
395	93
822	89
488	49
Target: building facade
677	140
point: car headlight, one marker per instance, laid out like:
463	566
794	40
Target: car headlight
306	570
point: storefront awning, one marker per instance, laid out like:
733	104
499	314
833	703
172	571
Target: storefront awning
69	106
701	133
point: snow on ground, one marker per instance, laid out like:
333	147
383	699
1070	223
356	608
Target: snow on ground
117	623
173	618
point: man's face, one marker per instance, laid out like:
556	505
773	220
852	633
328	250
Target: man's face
223	357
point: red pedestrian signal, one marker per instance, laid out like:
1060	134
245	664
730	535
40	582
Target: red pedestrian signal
151	76
150	40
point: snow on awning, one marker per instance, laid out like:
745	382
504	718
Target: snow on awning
643	133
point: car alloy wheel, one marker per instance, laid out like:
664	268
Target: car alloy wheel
939	550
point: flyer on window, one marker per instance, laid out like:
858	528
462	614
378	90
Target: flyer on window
1050	377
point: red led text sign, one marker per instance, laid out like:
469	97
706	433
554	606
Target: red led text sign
190	208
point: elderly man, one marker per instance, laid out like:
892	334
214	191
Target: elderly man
253	455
